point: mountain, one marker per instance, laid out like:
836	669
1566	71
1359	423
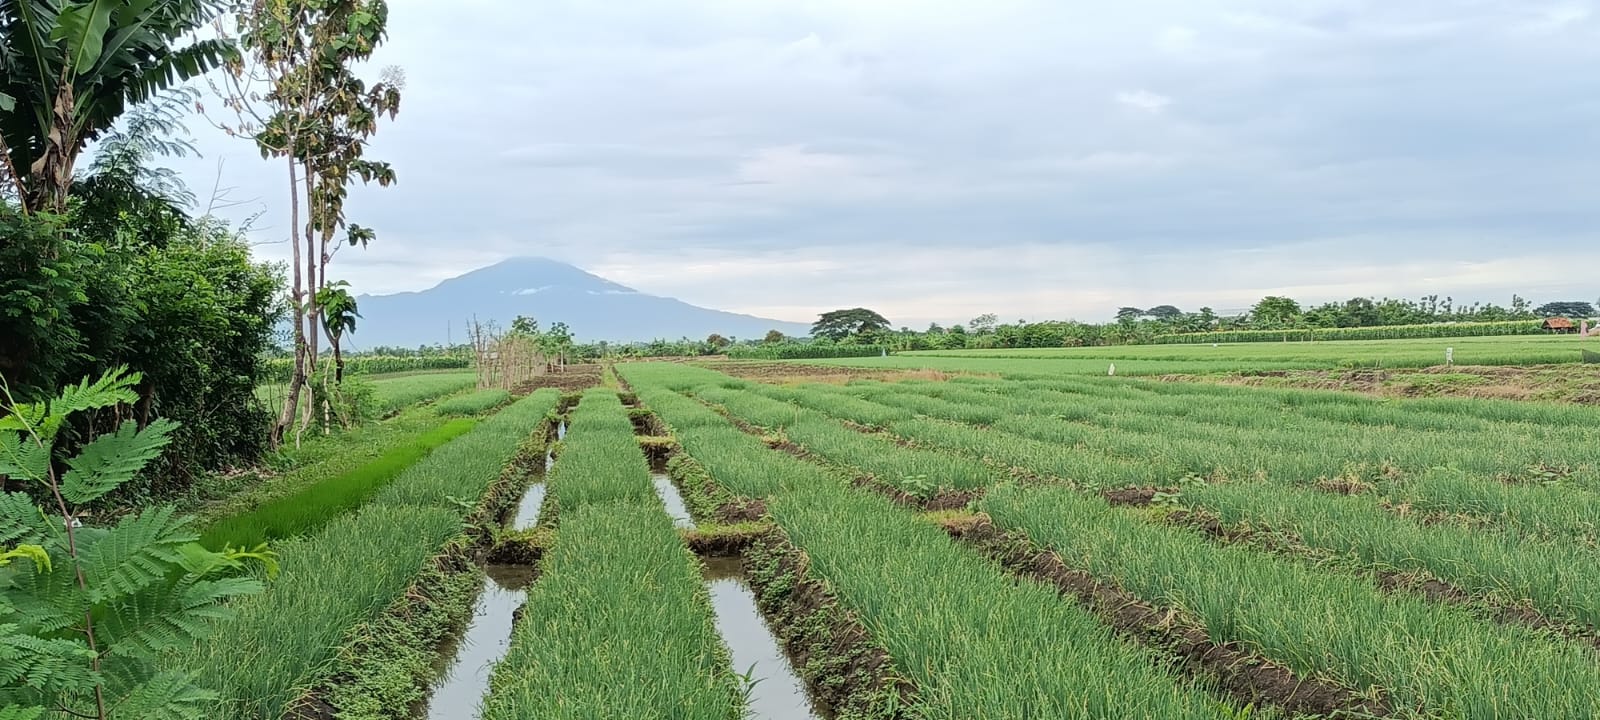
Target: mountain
549	291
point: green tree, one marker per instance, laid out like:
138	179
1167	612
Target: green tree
984	324
1569	308
320	118
73	68
773	337
1164	313
718	342
1274	311
1129	313
88	611
525	325
339	313
853	322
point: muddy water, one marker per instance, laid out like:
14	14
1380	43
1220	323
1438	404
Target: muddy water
778	693
465	664
674	502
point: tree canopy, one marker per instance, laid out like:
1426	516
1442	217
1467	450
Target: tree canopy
852	322
1567	308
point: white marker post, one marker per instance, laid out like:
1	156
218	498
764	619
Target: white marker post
1113	370
1449	356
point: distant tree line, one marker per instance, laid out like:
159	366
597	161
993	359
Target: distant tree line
861	331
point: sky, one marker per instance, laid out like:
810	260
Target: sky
935	160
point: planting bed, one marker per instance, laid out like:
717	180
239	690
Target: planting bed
1287	548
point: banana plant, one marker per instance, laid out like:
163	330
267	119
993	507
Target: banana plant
73	68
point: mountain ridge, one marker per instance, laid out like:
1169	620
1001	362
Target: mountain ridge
550	291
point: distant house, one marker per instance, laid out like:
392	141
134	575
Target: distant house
1559	325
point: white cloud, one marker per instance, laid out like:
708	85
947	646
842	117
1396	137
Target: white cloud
940	158
1144	100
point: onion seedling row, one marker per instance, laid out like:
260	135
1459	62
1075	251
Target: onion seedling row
619	623
976	643
351	569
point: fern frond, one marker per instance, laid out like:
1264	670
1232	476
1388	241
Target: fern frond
166	696
112	388
13	712
139	551
166	618
29	661
21	458
45	604
111	460
20	520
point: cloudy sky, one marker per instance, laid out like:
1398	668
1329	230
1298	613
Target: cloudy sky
939	159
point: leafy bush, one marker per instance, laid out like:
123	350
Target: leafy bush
84	611
183	304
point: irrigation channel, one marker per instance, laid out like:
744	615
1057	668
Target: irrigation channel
465	664
777	693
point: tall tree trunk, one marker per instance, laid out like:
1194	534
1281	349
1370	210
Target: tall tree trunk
312	311
297	380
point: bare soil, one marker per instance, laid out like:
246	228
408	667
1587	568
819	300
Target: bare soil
570	379
783	373
1577	383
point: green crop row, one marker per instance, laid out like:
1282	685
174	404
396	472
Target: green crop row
262	657
1388	332
279	369
1439	660
976	643
617	626
1177	429
1511	565
619	623
802	351
912	470
476	402
1215	356
744	467
393	394
1559	578
315	505
600	461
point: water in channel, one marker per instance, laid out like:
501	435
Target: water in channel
467	661
674	501
778	693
